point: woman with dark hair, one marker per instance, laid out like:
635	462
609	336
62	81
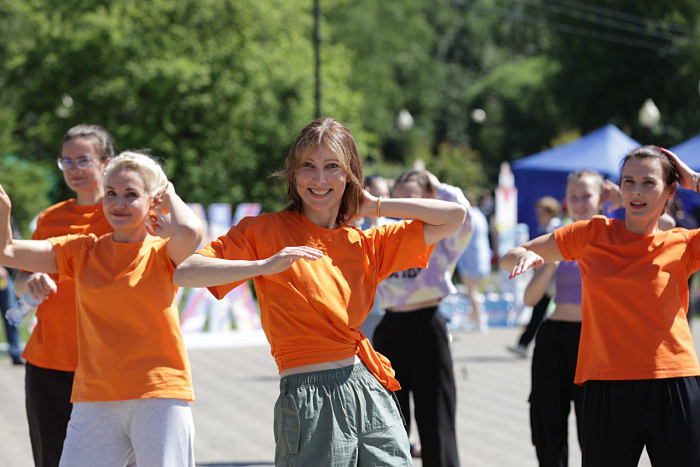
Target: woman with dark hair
413	332
316	276
636	360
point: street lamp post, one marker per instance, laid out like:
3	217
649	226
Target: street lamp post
317	56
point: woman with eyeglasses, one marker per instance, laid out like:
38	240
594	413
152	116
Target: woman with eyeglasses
52	350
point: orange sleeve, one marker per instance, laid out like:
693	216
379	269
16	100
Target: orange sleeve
234	245
400	246
66	248
694	251
571	238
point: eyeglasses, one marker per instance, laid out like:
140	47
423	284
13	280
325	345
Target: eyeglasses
82	162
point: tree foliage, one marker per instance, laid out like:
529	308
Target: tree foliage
219	88
29	186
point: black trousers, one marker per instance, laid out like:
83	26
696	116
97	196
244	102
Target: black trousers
48	411
620	418
417	344
538	312
553	391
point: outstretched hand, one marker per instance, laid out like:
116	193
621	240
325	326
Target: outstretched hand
526	260
286	257
687	177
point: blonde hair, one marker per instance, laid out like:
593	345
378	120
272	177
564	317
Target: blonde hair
150	171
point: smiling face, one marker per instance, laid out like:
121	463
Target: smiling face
583	198
89	179
321	182
644	194
126	204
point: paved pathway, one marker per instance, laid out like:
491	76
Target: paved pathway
236	389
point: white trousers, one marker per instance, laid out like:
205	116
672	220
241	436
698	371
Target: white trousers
154	432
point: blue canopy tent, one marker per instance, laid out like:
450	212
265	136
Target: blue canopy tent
545	173
689	152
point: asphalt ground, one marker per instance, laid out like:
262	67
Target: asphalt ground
236	388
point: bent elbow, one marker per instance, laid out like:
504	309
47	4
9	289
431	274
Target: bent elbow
461	213
180	275
458	217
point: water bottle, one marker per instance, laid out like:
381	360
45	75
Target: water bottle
17	312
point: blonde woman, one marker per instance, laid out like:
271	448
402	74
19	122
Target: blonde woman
132	384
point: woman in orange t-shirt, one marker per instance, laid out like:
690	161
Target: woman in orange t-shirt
52	350
636	359
132	384
316	276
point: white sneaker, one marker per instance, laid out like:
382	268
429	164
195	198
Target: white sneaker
520	350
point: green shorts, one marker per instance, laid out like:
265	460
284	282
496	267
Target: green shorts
341	417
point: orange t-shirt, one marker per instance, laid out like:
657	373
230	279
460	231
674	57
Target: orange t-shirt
635	300
312	312
54	342
129	340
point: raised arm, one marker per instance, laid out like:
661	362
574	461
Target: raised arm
30	255
532	254
441	218
174	219
202	271
687	177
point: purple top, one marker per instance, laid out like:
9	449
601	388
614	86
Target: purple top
568	281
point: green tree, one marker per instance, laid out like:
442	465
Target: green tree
616	54
217	89
28	185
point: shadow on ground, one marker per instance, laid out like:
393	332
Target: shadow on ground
233	464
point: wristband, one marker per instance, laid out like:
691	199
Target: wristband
379	207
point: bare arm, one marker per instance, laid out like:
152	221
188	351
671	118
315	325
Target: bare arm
202	271
175	220
31	255
441	218
537	287
532	254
